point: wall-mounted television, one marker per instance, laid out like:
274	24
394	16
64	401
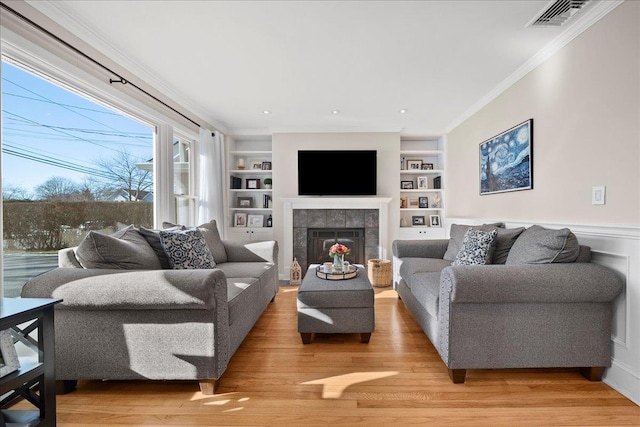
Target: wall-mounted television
337	172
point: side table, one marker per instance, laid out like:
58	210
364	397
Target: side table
22	316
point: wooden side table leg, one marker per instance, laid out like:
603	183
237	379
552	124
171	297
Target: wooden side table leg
306	337
364	338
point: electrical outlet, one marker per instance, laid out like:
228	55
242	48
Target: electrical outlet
598	195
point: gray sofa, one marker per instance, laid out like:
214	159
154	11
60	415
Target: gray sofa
125	320
540	304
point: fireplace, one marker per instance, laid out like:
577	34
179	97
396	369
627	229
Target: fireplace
319	240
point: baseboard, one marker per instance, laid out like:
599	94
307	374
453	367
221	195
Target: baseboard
624	380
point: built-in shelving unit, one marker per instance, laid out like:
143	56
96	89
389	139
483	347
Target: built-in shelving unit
249	200
422	190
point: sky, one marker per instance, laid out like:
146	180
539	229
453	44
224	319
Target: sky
49	124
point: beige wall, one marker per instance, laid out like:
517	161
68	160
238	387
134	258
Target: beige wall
585	102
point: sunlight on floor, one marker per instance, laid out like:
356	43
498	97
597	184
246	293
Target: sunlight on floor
387	293
333	387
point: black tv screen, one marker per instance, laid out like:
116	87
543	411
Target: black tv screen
337	172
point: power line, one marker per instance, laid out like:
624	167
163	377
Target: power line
41	152
10	131
31	122
111	113
57	163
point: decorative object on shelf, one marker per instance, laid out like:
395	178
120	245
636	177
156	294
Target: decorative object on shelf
240	164
414	165
253	184
403	222
245	202
423	202
506	159
255	164
236	183
379	272
350	271
437	182
427	166
338	251
295	273
434	221
413	202
417	220
406	185
402	163
423	182
435	202
266	201
9	361
269	221
267	183
255	221
239	219
403	202
266	166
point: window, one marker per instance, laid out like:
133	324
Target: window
183	182
70	166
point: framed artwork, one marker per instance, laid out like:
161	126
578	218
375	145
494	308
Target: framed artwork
414	165
434	220
255	164
423	183
417	220
506	160
240	219
423	202
427	166
255	220
9	361
413	202
266	166
245	202
253	183
406	185
437	182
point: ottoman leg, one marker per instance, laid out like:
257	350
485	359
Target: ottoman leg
364	338
306	337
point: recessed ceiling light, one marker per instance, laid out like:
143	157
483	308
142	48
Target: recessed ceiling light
266	112
404	110
335	111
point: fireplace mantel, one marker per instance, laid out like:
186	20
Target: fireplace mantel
290	204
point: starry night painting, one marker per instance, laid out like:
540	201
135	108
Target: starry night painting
506	161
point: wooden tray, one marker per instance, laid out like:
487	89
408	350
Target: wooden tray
337	275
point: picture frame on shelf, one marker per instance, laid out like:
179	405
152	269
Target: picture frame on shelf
413	202
406	185
427	166
417	220
434	221
253	183
414	165
423	182
255	164
245	202
423	202
255	221
266	166
9	361
239	219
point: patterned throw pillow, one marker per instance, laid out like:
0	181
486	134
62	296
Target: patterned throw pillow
186	249
476	248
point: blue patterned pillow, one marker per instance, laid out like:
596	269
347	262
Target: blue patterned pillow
477	248
186	249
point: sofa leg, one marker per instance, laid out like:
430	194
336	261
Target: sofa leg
306	337
364	338
65	386
593	373
457	375
208	387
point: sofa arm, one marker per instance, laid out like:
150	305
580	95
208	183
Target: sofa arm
266	251
435	248
549	283
101	289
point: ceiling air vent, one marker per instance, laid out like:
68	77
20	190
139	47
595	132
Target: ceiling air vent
558	12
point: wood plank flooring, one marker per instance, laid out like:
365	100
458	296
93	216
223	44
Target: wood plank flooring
398	378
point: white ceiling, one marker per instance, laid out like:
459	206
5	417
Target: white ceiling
228	61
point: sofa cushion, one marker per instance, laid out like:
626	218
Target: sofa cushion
477	248
240	293
153	238
244	269
411	266
504	242
538	245
186	249
425	286
125	250
212	237
456	236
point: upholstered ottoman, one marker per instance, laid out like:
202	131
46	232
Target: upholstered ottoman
335	306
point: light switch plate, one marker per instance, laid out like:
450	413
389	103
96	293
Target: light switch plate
598	195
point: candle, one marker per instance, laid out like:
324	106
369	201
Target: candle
240	162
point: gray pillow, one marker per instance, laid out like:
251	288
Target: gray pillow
538	245
457	233
212	237
186	249
153	238
124	250
504	241
477	247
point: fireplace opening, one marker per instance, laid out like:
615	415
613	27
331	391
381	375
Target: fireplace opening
319	240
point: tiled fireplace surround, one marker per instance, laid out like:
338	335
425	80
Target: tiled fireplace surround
302	213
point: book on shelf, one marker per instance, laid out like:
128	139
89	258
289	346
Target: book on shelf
236	183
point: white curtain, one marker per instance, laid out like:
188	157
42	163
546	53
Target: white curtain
211	166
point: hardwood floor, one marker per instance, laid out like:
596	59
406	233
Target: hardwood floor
398	378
